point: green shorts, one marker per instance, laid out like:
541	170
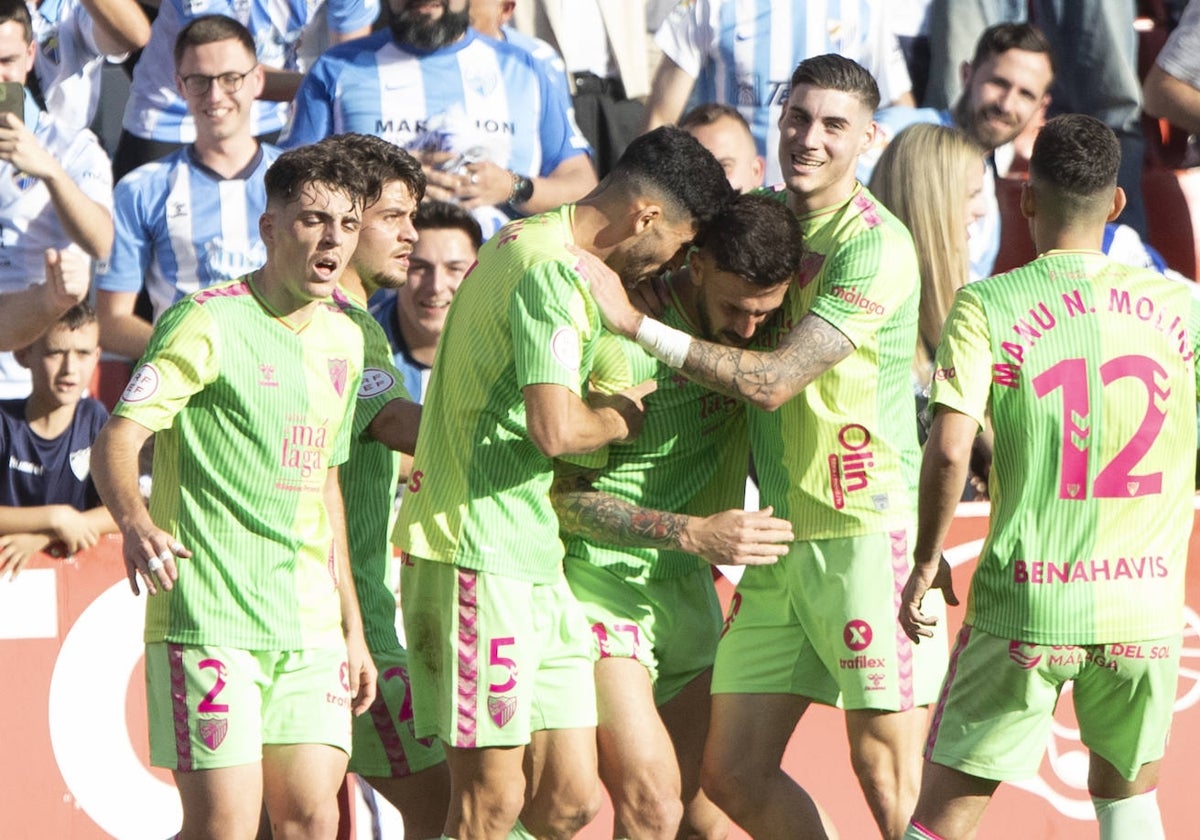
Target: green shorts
211	706
384	741
994	717
670	625
492	658
822	623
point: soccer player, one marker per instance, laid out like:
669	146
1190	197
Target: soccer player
499	651
191	219
47	499
836	454
1087	370
637	524
448	239
409	772
255	655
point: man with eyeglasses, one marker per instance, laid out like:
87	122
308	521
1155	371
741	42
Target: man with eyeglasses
191	219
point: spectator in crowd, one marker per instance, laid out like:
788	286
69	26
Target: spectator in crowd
1094	44
409	772
413	318
1063	410
157	120
47	499
493	18
834	375
605	46
724	131
249	388
931	177
24	315
482	575
55	183
745	60
1007	84
1172	87
191	219
637	523
75	38
503	151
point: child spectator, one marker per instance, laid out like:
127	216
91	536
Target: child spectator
47	500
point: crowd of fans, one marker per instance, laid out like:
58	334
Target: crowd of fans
424	134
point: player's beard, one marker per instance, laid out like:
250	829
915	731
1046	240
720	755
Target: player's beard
425	33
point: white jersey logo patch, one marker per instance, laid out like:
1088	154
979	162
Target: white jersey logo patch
81	462
142	385
564	344
374	383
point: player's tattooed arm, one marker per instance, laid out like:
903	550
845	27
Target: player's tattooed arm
732	537
587	512
768	379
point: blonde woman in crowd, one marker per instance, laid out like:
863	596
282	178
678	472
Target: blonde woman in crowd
931	177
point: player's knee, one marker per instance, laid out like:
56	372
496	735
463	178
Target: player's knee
570	811
654	808
725	783
306	823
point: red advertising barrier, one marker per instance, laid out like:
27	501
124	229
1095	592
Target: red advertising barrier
73	760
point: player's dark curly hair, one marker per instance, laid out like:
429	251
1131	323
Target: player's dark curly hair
381	163
672	165
325	163
755	237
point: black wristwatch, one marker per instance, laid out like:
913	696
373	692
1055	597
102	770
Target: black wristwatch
522	190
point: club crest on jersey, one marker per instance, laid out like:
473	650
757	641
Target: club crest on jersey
81	462
375	382
338	371
502	709
213	731
142	385
810	266
564	345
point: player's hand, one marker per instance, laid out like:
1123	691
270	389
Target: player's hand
616	311
362	673
72	528
21	148
652	296
151	555
924	576
738	537
68	274
629	407
16	549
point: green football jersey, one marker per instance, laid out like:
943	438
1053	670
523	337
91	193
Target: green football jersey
479	492
1086	368
250	413
368	480
840	459
692	455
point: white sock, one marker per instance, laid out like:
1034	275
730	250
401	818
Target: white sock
1131	818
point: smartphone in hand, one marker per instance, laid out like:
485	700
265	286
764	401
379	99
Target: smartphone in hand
12	99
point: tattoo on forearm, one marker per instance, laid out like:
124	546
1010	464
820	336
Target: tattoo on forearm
769	378
598	516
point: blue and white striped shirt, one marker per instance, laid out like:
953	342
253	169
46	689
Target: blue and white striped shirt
181	227
743	52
